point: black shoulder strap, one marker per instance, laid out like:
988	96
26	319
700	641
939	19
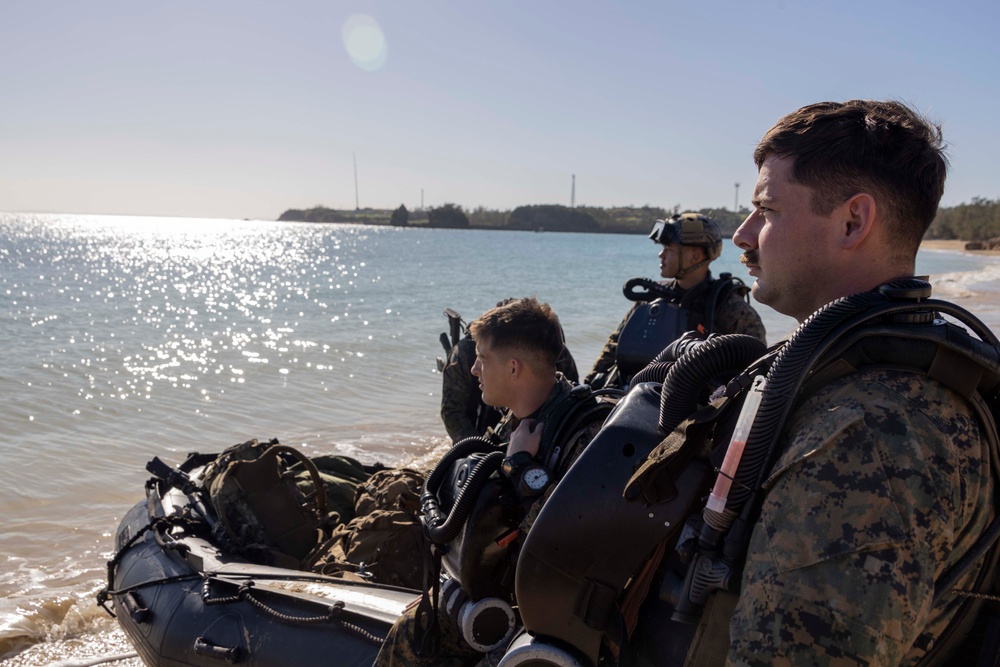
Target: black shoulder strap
564	417
720	289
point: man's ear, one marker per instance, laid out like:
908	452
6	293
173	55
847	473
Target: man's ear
515	367
695	254
858	219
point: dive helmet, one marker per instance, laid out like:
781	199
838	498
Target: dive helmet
689	229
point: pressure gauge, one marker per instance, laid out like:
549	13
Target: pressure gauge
534	479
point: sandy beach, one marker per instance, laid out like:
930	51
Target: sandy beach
954	246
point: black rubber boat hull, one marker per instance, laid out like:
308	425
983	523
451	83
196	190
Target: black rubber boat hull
170	624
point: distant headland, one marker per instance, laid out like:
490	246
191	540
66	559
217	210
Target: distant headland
978	221
541	217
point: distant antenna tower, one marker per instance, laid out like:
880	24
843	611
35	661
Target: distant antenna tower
572	193
357	205
736	201
421	199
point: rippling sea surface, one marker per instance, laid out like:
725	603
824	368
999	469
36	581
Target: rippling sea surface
126	338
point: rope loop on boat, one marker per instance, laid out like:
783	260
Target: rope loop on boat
245	593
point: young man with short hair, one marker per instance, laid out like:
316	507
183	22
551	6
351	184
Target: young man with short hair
517	345
463	411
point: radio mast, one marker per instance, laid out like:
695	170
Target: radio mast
357	206
572	193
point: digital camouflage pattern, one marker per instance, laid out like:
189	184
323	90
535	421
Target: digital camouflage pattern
462	409
883	485
398	649
733	315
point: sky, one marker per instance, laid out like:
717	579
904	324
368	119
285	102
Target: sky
245	109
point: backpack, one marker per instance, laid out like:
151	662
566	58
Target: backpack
342	476
273	504
385	540
658	318
261	513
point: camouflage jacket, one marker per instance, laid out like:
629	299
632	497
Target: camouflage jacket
883	484
733	315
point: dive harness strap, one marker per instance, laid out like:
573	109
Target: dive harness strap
426	638
654	479
561	420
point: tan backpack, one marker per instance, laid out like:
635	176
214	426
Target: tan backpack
385	541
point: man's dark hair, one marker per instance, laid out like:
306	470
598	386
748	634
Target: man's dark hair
882	148
526	325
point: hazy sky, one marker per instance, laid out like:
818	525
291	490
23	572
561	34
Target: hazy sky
245	109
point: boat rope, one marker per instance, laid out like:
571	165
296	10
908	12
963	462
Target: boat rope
105	594
94	661
334	613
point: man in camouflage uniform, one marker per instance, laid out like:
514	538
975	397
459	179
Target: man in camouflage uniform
884	481
462	409
690	242
517	345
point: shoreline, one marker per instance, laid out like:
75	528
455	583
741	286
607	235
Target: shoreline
977	291
955	246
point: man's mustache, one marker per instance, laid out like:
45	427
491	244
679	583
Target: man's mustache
750	257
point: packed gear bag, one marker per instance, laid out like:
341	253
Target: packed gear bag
342	476
397	489
385	541
274	504
261	512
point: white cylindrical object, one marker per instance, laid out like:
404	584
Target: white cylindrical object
720	492
528	650
487	624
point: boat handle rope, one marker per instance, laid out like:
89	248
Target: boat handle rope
104	595
334	612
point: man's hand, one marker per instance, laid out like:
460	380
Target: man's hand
527	437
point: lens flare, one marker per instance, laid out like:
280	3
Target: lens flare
365	42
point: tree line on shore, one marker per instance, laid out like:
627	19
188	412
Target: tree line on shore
976	221
539	217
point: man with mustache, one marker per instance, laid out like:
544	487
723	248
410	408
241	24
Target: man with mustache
883	482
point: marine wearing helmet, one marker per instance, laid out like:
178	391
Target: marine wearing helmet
690	300
690	229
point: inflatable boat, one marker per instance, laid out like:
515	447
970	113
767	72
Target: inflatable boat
182	600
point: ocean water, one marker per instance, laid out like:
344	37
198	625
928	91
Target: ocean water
126	338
